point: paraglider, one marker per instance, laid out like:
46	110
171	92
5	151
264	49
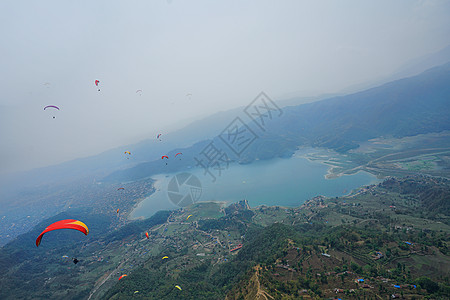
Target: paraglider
135	292
178	154
121	188
64	224
164	156
75	261
51	106
237	248
188	217
117	211
165	257
139	92
122	276
127	152
146	234
96	83
178	287
189	95
158	136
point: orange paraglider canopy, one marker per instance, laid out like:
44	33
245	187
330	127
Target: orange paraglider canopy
122	276
64	224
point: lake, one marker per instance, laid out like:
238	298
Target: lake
284	182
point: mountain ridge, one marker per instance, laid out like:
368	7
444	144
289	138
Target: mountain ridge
405	107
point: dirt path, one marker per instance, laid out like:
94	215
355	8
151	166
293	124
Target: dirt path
260	293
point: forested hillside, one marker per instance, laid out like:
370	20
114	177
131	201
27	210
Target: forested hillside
394	236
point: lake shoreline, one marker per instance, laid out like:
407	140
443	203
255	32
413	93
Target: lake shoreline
276	182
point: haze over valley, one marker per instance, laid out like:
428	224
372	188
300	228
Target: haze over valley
226	150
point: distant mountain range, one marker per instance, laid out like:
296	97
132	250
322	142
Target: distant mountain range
100	165
411	68
405	107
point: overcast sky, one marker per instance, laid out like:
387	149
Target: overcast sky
222	52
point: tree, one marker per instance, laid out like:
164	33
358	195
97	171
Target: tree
427	284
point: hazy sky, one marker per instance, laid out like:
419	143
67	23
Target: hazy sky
223	52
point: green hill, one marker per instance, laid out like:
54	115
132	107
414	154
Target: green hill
392	234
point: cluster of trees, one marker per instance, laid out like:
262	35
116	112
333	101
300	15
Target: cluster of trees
430	194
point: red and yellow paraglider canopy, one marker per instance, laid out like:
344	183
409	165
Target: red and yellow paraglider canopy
122	276
64	224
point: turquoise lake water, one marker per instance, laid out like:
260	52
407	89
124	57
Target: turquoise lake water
284	182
